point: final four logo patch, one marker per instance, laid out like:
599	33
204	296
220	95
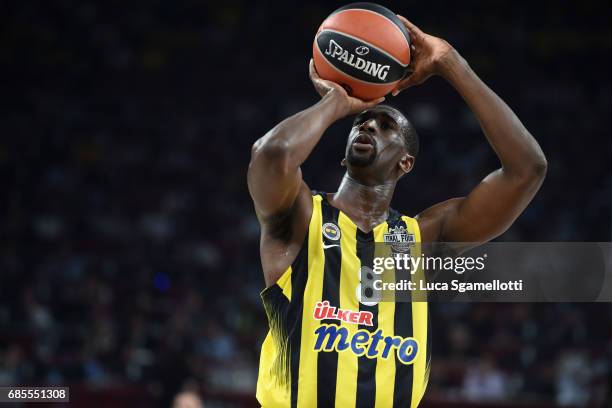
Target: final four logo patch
399	239
331	231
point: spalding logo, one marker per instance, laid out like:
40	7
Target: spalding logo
362	50
374	69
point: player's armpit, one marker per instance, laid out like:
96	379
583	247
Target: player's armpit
431	220
282	226
283	234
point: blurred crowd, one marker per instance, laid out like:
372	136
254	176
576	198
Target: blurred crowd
128	242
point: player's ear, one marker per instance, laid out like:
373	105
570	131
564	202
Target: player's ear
406	163
343	162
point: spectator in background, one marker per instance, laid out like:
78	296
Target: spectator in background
187	399
573	379
484	381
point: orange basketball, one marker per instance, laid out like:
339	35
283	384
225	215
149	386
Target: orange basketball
364	47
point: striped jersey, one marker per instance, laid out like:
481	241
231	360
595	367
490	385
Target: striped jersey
327	345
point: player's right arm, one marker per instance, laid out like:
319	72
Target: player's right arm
283	202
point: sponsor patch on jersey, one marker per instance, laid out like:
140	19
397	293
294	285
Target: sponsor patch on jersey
323	311
337	337
332	337
399	239
331	231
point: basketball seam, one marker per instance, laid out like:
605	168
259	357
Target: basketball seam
365	42
349	75
383	16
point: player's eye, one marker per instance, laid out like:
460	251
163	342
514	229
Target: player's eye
384	125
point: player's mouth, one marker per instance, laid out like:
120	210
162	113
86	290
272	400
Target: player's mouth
363	143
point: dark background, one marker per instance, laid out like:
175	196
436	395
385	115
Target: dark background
128	244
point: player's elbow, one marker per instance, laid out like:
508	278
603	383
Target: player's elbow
538	167
273	152
270	148
533	172
529	175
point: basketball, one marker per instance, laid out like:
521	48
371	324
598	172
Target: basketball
364	47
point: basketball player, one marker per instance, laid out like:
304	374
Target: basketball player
325	347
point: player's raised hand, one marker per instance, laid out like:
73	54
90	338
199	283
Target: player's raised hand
427	56
347	105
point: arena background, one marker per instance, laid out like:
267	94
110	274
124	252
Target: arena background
128	244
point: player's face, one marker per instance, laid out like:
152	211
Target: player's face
375	140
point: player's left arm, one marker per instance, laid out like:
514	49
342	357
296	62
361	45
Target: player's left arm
493	205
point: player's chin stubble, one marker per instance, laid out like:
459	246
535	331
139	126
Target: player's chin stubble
360	160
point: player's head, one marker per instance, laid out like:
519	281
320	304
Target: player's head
187	399
382	146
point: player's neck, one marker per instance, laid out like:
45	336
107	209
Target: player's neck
366	205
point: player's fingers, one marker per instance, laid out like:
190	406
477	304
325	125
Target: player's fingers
406	83
409	25
312	71
371	104
403	84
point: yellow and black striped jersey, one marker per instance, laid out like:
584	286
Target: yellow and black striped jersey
327	348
